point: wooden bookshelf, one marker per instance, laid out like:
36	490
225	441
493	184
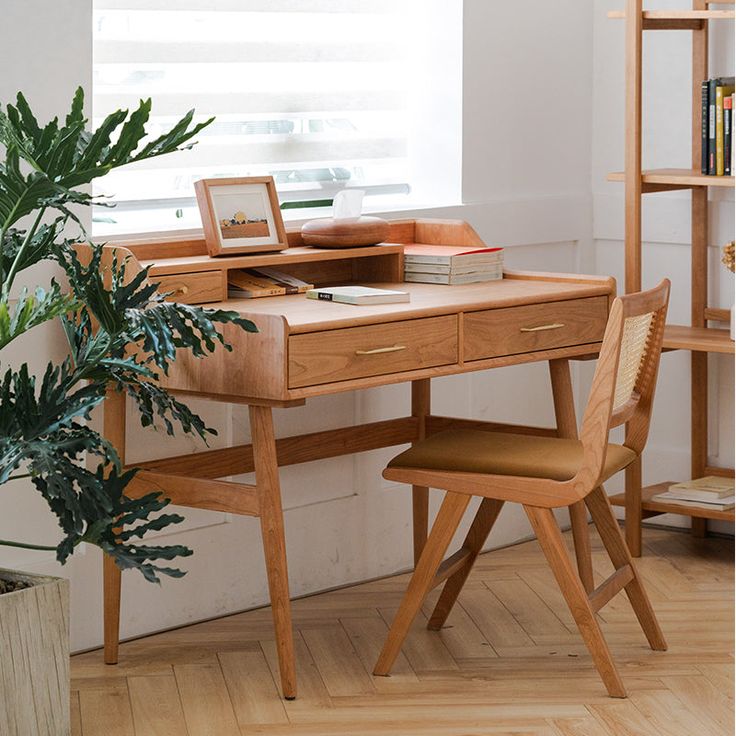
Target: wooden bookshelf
676	20
678	178
702	339
697	337
651	507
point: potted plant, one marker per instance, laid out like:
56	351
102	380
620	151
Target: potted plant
728	261
121	334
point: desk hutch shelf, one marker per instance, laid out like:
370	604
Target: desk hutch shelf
701	337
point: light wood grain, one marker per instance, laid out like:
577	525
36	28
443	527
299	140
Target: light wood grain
193	288
451	688
208	710
421	400
274	542
567	426
156	706
338	355
114	426
253	692
34	657
525	329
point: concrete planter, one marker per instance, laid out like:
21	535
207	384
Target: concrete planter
34	657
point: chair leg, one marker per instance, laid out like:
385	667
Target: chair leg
448	519
581	540
553	546
602	513
483	522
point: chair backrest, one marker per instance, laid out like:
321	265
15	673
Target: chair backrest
626	376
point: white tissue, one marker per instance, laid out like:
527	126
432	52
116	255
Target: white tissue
347	204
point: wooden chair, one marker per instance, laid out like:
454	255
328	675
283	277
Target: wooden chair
544	473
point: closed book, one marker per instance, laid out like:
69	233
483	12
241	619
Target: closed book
727	134
453	279
244	285
733	147
411	267
724	504
360	295
451	255
704	127
722	91
712	84
291	284
711	486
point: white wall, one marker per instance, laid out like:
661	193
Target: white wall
527	131
665	225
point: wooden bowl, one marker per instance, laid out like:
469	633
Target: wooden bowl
329	233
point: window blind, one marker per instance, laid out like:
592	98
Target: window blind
313	92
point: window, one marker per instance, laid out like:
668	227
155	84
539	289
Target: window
317	93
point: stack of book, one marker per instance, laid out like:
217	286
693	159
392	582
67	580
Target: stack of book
251	283
716	131
442	264
711	493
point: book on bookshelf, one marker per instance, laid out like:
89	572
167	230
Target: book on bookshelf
704	118
710	488
727	134
359	295
714	94
724	504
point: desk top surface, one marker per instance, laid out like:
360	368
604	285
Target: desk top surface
306	315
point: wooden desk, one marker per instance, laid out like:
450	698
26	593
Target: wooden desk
307	348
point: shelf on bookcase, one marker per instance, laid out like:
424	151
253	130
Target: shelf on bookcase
705	339
676	20
678	178
661	507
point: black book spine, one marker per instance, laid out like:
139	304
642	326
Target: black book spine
704	127
712	84
727	140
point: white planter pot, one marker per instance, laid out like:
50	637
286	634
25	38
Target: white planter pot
34	657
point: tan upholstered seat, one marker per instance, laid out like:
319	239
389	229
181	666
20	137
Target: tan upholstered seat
503	453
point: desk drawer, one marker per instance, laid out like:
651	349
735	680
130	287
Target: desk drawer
496	332
359	352
199	287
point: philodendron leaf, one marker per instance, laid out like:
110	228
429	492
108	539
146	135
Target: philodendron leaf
31	310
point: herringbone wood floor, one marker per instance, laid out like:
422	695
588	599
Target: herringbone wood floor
509	662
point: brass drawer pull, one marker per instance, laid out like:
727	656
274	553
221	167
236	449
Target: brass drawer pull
378	351
541	328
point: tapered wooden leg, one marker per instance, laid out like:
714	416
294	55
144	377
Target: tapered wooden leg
479	530
553	546
274	542
445	525
605	521
111	586
420	407
113	428
567	427
633	507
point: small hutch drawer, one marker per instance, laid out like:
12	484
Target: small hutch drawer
199	287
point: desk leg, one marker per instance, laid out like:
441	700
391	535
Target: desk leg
274	542
114	430
567	426
420	407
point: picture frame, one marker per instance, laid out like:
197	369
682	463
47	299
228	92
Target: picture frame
240	215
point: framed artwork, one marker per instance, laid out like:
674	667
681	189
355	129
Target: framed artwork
240	215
